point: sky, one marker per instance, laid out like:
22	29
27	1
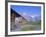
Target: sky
33	10
27	10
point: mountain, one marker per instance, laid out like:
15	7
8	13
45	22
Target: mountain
32	18
36	18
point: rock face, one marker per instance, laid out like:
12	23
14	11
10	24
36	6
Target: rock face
20	20
16	21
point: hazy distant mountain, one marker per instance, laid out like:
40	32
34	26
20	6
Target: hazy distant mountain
32	18
36	18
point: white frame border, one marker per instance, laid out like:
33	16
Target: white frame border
24	32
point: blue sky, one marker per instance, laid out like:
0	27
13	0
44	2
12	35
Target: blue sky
27	10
